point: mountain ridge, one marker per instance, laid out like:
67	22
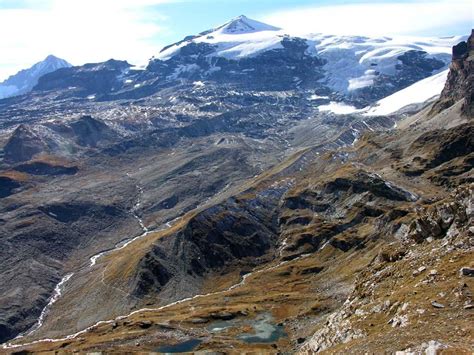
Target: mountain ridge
24	81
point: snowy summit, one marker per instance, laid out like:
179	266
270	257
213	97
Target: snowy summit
352	63
243	24
23	81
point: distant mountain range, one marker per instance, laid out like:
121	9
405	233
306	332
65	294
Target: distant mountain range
23	81
344	73
347	73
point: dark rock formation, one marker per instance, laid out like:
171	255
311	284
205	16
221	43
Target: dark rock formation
7	186
44	168
443	219
460	83
214	239
435	148
68	213
363	182
88	79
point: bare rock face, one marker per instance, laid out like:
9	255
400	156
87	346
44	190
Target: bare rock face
447	219
435	148
338	329
460	85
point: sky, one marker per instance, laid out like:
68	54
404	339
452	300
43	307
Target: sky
85	31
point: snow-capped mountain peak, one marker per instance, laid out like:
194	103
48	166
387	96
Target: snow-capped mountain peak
48	65
52	59
243	24
23	81
364	69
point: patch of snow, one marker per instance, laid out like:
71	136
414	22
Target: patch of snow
241	37
350	57
362	81
247	45
351	61
138	67
419	92
317	97
338	108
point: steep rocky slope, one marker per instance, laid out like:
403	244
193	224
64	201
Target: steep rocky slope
459	84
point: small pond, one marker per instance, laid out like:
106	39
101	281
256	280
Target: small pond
265	331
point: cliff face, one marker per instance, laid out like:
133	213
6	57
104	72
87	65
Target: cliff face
459	85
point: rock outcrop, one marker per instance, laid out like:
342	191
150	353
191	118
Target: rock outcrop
90	132
460	83
362	310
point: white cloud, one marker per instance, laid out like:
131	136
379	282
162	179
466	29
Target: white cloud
374	19
79	31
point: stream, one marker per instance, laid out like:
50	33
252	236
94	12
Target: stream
59	288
